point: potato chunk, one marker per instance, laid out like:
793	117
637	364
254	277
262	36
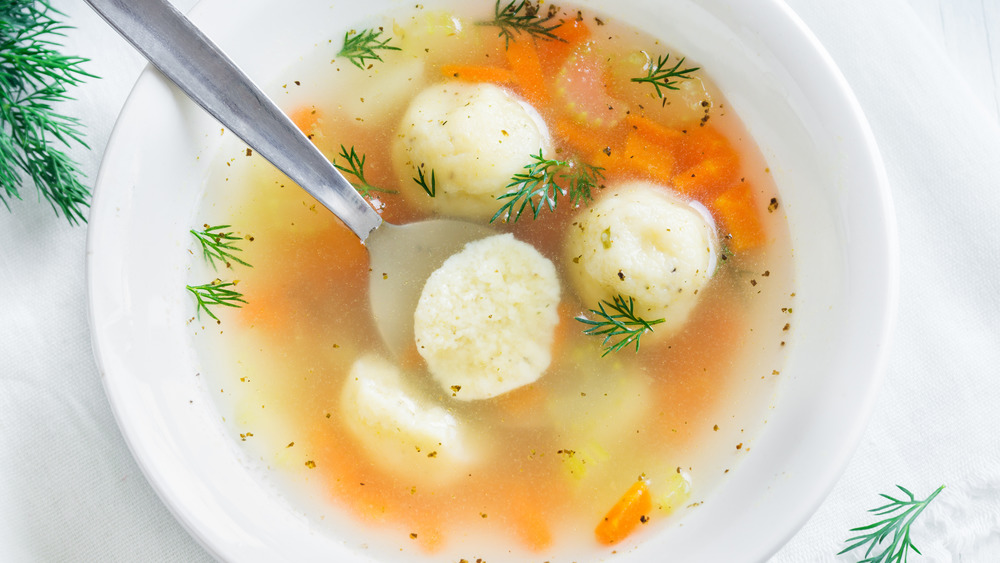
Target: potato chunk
403	436
474	137
486	318
639	241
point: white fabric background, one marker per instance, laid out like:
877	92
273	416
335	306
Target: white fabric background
70	491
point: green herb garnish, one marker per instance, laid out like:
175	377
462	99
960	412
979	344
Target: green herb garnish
522	17
421	181
900	514
542	184
356	167
360	47
217	244
620	321
34	77
582	178
668	78
215	293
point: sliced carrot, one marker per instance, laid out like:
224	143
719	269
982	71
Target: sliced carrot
707	179
652	160
700	143
476	73
654	133
572	31
586	140
530	522
306	118
553	53
630	510
641	158
740	218
523	60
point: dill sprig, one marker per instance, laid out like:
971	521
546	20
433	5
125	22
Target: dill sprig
545	180
217	292
582	178
421	181
34	77
618	319
356	167
900	515
360	47
666	78
217	244
522	17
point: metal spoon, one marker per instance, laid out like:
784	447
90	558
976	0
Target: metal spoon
401	256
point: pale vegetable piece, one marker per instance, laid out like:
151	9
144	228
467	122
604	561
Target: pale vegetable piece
671	492
438	36
384	85
414	440
689	104
639	241
474	138
595	412
486	318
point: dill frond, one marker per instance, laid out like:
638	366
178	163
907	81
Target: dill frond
356	167
34	78
217	244
545	180
617	319
663	78
516	18
900	514
421	181
215	293
361	47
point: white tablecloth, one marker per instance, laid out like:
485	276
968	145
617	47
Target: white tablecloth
70	491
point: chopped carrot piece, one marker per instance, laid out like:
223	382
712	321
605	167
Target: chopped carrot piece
306	119
642	158
523	60
572	31
630	510
475	73
700	143
530	523
653	132
586	140
554	53
652	160
740	218
707	179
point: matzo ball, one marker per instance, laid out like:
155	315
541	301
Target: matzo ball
486	318
402	435
639	241
474	138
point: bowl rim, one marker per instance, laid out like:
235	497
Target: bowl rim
854	431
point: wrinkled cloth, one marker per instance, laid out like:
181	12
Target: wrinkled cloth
70	490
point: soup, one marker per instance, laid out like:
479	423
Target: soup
622	188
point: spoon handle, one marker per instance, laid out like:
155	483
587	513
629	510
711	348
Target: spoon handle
184	55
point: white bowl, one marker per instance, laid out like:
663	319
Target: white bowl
793	100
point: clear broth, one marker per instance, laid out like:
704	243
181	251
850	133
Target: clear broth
567	447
